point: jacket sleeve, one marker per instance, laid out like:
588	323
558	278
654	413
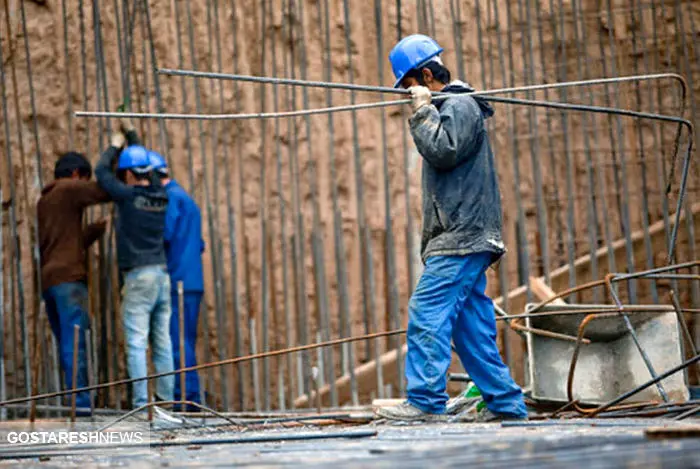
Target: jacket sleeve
447	137
89	193
106	178
93	232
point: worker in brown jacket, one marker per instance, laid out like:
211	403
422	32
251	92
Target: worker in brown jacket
63	244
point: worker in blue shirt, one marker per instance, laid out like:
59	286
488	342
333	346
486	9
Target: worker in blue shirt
183	250
461	238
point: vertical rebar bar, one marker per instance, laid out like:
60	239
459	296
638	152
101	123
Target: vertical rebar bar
207	200
283	238
524	251
299	237
17	253
262	210
74	371
348	358
642	155
3	389
317	253
237	306
67	83
590	168
392	299
533	138
364	240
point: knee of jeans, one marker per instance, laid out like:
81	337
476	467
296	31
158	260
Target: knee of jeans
137	341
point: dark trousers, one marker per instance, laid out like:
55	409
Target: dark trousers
66	307
192	301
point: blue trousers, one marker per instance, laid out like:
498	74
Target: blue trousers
192	301
66	307
450	303
146	317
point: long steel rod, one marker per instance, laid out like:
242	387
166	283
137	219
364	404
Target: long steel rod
364	238
287	388
341	272
392	295
389	90
317	254
17	252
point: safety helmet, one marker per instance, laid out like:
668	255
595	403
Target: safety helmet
157	162
134	158
412	52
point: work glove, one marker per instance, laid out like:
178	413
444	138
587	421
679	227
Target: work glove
420	96
125	125
117	139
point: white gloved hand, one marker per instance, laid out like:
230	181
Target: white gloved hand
420	96
117	140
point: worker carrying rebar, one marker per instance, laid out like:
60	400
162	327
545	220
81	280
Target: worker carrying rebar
63	245
183	249
461	238
141	203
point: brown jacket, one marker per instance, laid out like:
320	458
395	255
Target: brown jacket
63	242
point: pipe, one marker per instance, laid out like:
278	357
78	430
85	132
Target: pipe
389	90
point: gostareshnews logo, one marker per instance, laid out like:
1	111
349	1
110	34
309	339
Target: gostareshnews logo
20	438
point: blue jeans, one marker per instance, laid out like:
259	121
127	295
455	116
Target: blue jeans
146	317
66	307
191	312
449	303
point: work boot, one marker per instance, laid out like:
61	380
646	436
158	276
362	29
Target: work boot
484	416
407	412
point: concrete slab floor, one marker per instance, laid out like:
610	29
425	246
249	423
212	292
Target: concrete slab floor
562	443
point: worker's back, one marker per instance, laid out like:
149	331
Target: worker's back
183	239
140	216
62	241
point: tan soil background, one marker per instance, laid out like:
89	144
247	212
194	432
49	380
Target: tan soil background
502	44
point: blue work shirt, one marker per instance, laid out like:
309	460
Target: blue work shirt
183	239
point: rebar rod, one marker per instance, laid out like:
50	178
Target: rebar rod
591	173
640	142
390	90
364	238
288	390
392	295
317	254
341	272
262	210
3	389
241	301
17	252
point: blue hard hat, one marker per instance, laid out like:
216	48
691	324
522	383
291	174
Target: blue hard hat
157	162
412	52
134	158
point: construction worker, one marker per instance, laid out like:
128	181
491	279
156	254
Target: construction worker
63	244
183	250
461	238
141	207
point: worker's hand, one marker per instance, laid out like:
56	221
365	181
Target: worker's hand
125	125
420	96
117	140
